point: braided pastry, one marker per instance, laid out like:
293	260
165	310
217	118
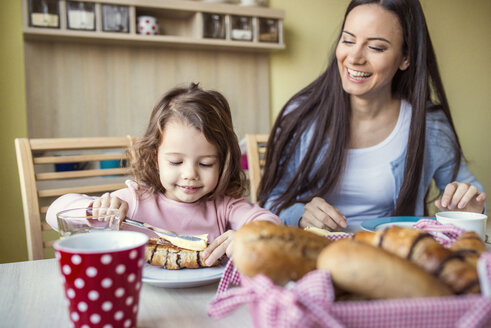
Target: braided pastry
160	252
470	246
422	249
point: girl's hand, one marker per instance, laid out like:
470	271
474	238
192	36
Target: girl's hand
106	201
320	214
461	196
221	245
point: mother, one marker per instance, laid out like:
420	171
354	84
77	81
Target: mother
366	138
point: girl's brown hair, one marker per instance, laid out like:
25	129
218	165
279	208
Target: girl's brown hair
207	111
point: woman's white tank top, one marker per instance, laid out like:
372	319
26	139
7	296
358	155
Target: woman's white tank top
367	187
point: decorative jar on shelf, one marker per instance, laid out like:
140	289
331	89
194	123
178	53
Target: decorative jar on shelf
268	30
147	25
263	3
213	26
44	13
241	28
115	18
81	15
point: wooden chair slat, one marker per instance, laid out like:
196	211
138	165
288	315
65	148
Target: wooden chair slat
77	143
80	190
80	174
256	150
78	158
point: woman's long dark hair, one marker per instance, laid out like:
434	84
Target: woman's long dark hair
324	106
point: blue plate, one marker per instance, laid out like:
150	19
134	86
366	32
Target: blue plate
382	223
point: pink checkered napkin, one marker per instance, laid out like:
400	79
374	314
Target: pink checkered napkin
230	276
436	229
310	303
305	304
484	271
443	312
339	236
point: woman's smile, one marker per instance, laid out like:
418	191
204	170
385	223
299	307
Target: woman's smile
357	76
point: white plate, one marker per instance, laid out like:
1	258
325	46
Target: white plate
382	223
184	278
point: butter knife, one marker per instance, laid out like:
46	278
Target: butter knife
159	231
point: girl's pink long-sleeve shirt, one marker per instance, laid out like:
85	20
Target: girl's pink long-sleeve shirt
213	217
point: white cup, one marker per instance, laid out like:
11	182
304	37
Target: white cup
466	220
147	25
263	3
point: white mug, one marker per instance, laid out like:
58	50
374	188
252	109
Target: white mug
147	25
263	3
466	220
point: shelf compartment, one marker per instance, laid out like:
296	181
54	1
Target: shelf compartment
115	18
241	28
81	16
172	22
44	13
268	30
214	26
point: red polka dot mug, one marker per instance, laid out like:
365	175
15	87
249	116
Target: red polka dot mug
147	25
102	276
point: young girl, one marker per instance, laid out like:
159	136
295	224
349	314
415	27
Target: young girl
187	174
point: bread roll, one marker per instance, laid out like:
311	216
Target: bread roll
280	252
422	249
374	273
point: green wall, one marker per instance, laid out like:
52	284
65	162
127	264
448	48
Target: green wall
460	32
12	124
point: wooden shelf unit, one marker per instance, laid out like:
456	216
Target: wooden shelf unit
181	24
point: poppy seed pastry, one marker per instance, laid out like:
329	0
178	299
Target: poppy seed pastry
422	249
160	252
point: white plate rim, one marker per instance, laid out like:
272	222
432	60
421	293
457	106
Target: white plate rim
372	224
188	277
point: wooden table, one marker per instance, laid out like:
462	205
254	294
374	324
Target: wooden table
32	296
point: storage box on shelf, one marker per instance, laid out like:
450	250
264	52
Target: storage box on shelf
180	23
45	13
115	18
80	15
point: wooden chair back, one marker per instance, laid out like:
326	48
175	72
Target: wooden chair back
51	167
256	152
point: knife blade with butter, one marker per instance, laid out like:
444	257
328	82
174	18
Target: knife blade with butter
191	242
323	232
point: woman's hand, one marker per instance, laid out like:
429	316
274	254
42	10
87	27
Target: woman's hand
221	245
320	214
461	196
106	201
